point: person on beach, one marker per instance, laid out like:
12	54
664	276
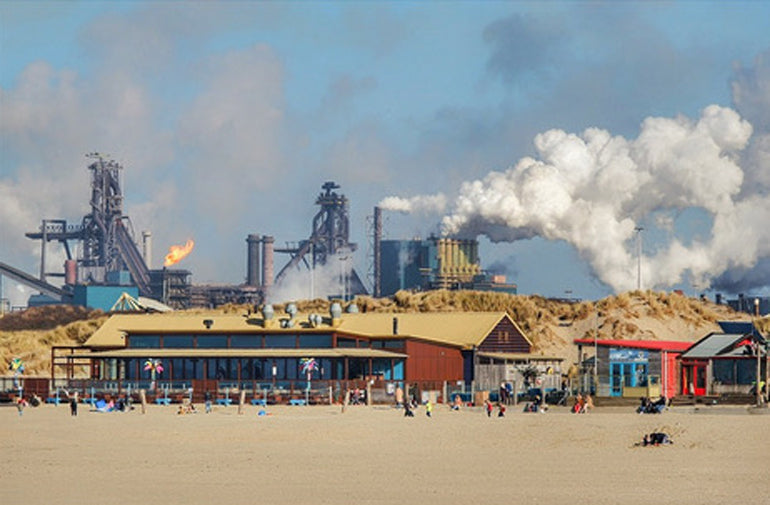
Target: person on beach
207	399
589	404
500	410
488	406
20	404
656	439
428	408
408	410
457	402
73	403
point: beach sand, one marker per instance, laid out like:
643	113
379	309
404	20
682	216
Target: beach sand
373	455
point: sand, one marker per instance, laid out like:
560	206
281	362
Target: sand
373	455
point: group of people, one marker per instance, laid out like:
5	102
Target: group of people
656	438
489	408
647	406
583	404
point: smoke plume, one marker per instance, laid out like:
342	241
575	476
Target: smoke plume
594	191
421	203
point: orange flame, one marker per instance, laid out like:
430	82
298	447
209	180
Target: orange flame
177	252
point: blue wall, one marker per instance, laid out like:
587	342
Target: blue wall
101	297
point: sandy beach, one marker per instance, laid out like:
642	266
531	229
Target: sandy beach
373	455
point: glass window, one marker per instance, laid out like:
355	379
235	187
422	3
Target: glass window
192	369
212	341
178	341
346	342
315	341
724	371
394	344
280	341
246	369
177	369
144	341
292	368
246	341
325	372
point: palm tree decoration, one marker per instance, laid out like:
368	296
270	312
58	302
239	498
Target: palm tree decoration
154	366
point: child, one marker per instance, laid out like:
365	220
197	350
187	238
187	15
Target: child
489	407
500	410
428	408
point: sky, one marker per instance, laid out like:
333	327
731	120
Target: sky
568	137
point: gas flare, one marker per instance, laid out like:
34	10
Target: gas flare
177	252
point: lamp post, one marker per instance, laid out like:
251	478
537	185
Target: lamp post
638	231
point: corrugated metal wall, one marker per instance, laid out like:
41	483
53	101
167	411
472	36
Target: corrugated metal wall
433	362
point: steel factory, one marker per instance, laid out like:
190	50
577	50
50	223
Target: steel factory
113	260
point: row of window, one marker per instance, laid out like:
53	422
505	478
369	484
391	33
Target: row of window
303	341
243	369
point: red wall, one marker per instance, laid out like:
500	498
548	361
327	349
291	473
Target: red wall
432	362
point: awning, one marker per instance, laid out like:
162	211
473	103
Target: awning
340	352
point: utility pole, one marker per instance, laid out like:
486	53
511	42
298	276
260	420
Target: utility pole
638	231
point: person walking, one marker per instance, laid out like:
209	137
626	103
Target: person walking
489	407
207	399
428	408
74	404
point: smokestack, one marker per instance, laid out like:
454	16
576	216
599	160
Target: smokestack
252	260
267	261
70	272
147	248
377	252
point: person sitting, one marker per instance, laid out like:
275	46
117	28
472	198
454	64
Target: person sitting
408	410
656	438
457	402
580	403
643	405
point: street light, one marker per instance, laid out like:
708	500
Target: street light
638	231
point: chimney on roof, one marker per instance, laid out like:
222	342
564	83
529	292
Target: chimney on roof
395	326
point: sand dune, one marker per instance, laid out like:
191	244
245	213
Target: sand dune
373	455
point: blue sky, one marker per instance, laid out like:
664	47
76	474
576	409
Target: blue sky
228	117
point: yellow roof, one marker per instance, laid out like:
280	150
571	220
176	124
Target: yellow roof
462	329
340	352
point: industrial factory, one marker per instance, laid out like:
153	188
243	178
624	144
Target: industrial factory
110	264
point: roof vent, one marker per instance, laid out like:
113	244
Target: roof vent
352	309
395	326
268	312
208	323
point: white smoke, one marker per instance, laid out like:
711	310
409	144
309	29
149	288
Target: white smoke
434	204
322	282
594	190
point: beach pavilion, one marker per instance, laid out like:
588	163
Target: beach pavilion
633	368
259	351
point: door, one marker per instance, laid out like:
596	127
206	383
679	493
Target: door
616	379
694	379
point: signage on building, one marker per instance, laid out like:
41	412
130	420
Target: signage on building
629	355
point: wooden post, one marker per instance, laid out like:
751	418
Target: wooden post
241	400
369	394
331	396
345	401
143	399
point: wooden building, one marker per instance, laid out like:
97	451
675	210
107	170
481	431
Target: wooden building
724	362
263	350
634	368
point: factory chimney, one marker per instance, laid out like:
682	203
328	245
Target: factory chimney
252	260
377	252
147	248
267	261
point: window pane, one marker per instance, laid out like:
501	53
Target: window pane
212	341
281	341
346	342
178	341
315	341
144	341
246	341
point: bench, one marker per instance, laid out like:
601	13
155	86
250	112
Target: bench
295	401
259	401
163	401
224	401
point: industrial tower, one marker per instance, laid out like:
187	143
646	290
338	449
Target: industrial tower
329	240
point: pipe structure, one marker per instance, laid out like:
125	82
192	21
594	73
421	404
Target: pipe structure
377	252
252	260
267	260
147	248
